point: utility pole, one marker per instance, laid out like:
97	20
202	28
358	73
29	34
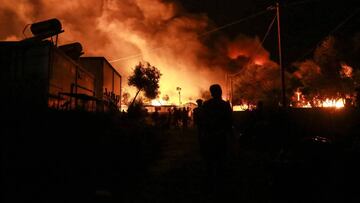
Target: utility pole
229	88
232	93
283	93
179	90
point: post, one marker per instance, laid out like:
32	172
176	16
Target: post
283	93
179	89
232	93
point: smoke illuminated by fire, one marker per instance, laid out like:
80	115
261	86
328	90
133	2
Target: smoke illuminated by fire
171	39
126	32
248	48
129	31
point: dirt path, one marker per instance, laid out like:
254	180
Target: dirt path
180	176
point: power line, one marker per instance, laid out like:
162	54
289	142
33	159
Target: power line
134	55
237	22
256	51
126	58
266	34
262	42
234	22
330	33
344	21
200	35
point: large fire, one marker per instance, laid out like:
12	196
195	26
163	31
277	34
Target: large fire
300	101
310	71
173	40
126	32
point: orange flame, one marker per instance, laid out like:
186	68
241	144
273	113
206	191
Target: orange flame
301	102
346	71
129	31
243	107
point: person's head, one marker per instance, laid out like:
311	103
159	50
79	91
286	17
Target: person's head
215	91
199	102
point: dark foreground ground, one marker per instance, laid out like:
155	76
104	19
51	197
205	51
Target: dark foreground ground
251	175
86	158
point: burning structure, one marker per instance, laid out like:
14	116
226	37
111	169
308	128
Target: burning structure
327	80
38	75
187	51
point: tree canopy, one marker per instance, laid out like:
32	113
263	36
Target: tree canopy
145	78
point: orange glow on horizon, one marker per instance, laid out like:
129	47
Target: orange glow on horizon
158	102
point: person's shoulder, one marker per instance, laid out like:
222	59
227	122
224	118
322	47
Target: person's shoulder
224	103
207	102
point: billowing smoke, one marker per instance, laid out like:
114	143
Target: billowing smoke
258	78
156	31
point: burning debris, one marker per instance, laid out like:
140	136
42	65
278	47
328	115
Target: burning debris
326	80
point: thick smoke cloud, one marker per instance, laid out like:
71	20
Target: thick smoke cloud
156	31
259	77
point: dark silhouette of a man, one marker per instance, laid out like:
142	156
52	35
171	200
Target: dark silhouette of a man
197	117
217	118
199	124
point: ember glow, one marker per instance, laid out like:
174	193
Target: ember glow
244	107
300	101
346	71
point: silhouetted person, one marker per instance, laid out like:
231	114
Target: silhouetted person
169	117
217	129
198	119
155	117
260	128
197	114
184	118
177	117
259	115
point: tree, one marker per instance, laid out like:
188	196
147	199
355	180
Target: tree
145	78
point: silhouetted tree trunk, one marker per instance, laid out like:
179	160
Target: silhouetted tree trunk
133	101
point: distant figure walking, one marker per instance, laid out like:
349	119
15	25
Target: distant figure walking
217	118
169	118
198	119
155	117
177	117
184	118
